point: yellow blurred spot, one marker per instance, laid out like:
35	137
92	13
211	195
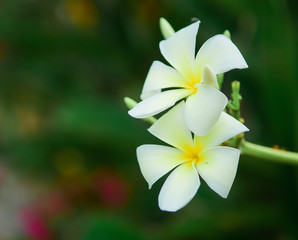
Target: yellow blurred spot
241	135
83	13
278	147
69	163
29	120
147	11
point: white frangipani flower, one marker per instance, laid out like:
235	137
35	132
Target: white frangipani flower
191	77
189	157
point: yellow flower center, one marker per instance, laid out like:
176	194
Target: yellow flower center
192	81
193	157
196	159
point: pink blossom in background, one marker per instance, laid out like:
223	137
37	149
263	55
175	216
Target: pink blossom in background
34	225
112	188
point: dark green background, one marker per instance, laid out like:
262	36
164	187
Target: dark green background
65	67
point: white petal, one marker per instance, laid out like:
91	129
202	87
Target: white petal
157	103
172	129
203	109
225	128
209	77
155	161
179	49
179	188
218	168
162	76
149	93
221	54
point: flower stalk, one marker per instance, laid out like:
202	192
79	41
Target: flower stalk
267	153
234	104
234	110
220	78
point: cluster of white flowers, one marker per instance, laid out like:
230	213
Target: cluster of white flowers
197	125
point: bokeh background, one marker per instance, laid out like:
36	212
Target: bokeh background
68	168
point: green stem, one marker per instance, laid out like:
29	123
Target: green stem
220	79
130	103
266	153
234	104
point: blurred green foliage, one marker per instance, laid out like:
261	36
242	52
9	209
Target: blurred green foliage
65	66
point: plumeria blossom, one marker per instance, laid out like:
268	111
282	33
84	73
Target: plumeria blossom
189	156
193	78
